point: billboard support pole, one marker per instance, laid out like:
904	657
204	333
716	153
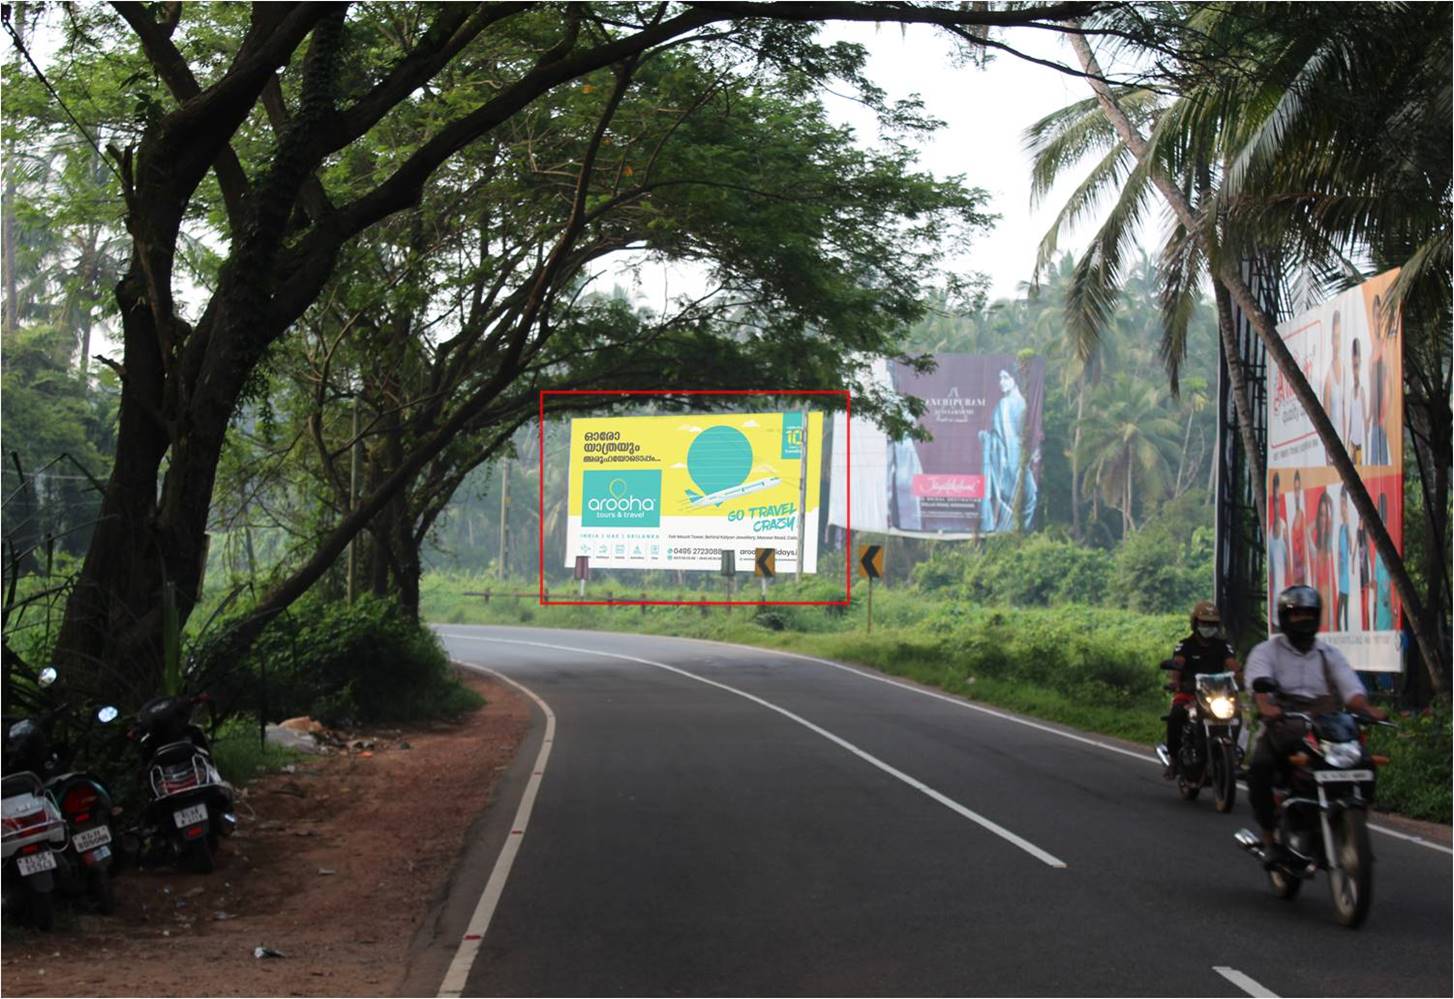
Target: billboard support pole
802	499
1240	545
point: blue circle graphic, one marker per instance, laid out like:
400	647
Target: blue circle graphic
720	458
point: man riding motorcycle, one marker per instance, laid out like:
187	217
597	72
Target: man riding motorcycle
1308	671
1203	651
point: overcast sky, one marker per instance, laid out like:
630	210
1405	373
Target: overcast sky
986	112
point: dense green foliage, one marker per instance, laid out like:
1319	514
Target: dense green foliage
1417	780
350	664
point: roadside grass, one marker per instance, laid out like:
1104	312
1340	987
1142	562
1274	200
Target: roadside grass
1091	668
967	652
241	756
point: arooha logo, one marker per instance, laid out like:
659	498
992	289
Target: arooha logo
616	499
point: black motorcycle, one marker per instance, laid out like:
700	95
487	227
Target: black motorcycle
1209	751
87	807
1323	795
191	806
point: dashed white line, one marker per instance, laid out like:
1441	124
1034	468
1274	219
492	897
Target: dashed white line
954	806
464	958
1246	984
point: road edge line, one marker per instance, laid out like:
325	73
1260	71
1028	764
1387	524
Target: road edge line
462	964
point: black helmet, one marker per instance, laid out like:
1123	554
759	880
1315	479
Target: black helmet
1299	598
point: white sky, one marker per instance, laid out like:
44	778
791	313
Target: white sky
986	112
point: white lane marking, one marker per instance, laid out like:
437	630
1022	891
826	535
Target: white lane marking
1248	985
947	802
474	934
1417	840
949	699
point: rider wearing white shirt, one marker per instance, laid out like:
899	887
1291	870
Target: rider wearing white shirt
1313	677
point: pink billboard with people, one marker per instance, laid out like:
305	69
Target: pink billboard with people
1350	350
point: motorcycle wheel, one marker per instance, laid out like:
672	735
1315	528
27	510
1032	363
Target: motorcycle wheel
1352	882
102	891
1224	777
197	857
41	910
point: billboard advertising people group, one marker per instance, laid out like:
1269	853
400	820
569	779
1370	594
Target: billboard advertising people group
672	492
1351	351
978	474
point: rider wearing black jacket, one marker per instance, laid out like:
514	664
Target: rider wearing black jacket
1203	651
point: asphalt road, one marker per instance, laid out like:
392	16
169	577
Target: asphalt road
792	828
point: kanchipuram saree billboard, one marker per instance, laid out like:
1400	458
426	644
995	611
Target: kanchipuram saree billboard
979	472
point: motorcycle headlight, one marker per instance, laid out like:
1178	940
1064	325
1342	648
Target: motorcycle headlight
1343	754
1222	707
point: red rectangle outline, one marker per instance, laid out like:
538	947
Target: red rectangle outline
848	528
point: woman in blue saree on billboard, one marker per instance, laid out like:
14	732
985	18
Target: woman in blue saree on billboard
1002	450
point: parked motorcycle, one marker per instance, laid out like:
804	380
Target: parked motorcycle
191	806
33	843
57	826
32	829
86	805
1209	751
1322	797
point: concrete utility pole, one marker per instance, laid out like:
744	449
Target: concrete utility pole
504	509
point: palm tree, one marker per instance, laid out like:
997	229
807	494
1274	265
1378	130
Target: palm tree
1321	132
1126	443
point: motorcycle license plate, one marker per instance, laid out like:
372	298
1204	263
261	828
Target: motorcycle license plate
89	839
1339	776
35	863
185	817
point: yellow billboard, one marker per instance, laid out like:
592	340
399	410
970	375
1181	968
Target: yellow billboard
674	492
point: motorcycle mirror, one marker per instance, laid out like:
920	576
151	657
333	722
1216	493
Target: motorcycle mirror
107	714
47	676
1264	685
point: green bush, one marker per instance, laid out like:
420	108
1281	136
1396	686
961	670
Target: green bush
1418	777
355	663
1168	565
1034	570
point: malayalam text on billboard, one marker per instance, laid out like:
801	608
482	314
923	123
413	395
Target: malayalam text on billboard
673	492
